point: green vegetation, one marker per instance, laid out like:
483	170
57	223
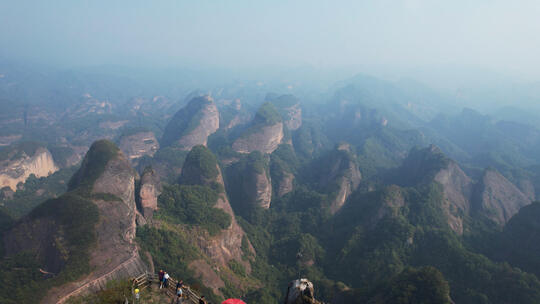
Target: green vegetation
193	205
267	115
93	165
172	252
115	292
75	217
37	190
200	166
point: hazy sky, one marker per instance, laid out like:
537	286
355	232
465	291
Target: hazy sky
498	34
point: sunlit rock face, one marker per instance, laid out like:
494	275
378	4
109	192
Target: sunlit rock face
149	191
19	167
497	198
192	125
264	134
138	144
301	291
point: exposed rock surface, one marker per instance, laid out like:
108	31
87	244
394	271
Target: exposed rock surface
116	255
285	184
106	182
340	174
14	171
138	145
192	124
258	188
289	108
264	134
497	198
265	139
149	191
201	168
300	291
493	196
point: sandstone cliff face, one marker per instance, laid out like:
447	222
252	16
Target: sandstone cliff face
293	117
18	170
258	188
285	184
264	134
342	173
493	196
227	244
300	291
265	139
457	190
138	145
497	198
149	191
192	125
115	255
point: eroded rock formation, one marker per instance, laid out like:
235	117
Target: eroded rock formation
138	145
19	166
264	134
149	191
192	125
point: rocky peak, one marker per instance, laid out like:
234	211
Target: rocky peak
300	291
497	198
339	173
138	143
201	168
99	209
150	189
18	162
289	108
426	165
192	125
264	134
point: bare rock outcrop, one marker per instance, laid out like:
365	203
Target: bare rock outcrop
289	107
300	291
115	255
149	191
497	198
100	209
258	188
138	144
457	190
285	184
192	125
340	175
18	166
493	196
264	134
201	168
265	139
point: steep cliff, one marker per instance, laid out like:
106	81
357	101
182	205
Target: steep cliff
423	166
150	189
493	196
264	134
338	173
192	125
300	291
17	163
497	198
201	168
289	108
138	144
98	212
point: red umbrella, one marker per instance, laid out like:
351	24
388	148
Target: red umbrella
233	301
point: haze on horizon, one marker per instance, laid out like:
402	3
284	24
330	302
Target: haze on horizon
496	35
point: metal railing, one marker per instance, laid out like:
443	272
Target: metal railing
146	279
